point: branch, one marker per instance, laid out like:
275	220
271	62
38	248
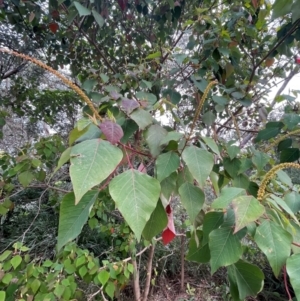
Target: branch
286	284
93	43
136	282
285	83
13	71
294	27
149	273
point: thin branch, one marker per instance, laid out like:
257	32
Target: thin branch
149	273
286	283
93	43
294	27
231	128
14	71
49	187
35	217
136	281
285	83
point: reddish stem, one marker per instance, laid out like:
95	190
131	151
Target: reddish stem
134	150
286	283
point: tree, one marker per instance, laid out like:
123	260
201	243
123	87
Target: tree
206	65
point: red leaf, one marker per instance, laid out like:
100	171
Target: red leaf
53	27
128	105
123	4
297	60
112	131
142	168
169	233
55	14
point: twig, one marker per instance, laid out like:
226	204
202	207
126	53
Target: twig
35	217
135	151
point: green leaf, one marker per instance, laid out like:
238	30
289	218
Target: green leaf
275	242
209	118
200	163
168	187
59	290
284	178
291	120
212	221
154	135
146	84
232	166
286	143
192	199
16	261
4	255
25	178
2	296
171	136
260	160
157	222
226	196
83	123
241	181
129	127
267	134
225	248
166	164
73	217
75	134
136	195
99	19
110	289
293	270
292	199
103	277
211	144
90	132
233	151
89	84
153	55
247	209
92	161
83	11
284	206
248	277
173	95
281	8
198	252
35	285
142	118
7	278
64	158
179	57
145	96
289	155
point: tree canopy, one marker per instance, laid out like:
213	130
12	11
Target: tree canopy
141	105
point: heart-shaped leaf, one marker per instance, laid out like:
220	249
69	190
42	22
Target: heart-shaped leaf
136	195
92	161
